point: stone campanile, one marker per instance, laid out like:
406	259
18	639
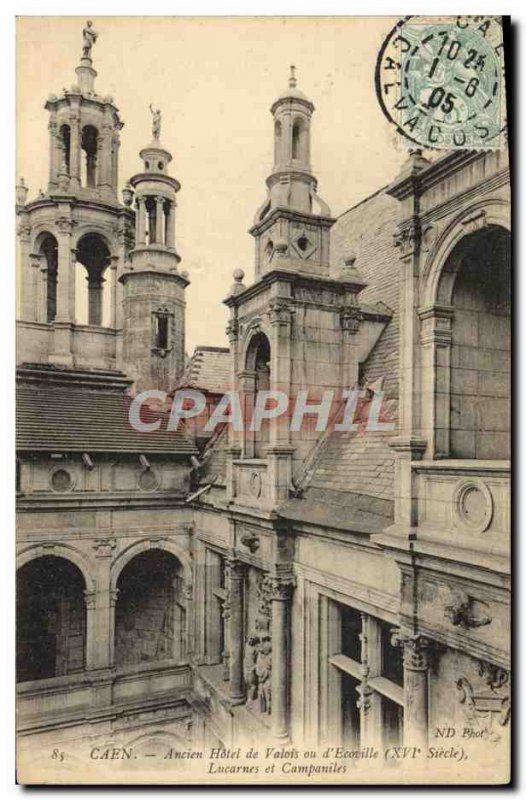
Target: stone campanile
75	237
292	226
154	289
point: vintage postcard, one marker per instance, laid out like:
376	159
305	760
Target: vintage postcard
263	400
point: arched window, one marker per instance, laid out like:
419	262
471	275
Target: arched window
150	615
472	391
151	218
93	292
51	619
480	348
65	143
258	363
277	142
48	249
297	139
89	142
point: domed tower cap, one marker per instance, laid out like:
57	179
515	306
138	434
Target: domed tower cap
156	158
292	93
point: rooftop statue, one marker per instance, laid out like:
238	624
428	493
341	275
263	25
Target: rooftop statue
156	122
89	37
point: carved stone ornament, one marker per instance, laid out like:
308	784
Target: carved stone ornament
232	330
90	599
250	540
104	547
467	612
473	503
475	222
407	238
417	649
350	318
64	224
255	484
280	312
486	706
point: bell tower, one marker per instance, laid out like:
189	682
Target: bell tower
292	226
84	134
154	289
74	239
297	333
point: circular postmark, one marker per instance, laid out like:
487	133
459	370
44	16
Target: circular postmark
440	81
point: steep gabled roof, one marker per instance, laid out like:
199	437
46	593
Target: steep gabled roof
208	370
365	232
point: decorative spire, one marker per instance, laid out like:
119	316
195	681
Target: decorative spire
292	80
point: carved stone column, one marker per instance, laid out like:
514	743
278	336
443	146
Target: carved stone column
74	170
140	220
170	225
66	287
65	317
95	291
225	655
113	287
416	666
159	220
280	595
54	153
369	702
237	572
100	649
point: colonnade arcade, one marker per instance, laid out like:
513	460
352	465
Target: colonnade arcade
67	623
79	285
155	220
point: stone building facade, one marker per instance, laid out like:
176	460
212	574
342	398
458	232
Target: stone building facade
285	586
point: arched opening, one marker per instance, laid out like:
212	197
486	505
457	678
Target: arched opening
479	269
277	142
65	144
298	139
151	219
150	615
48	249
51	619
258	363
89	141
93	290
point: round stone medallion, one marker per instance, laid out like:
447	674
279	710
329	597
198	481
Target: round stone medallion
61	480
474	505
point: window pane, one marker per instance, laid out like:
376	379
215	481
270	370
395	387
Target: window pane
392	665
351	628
392	723
350	712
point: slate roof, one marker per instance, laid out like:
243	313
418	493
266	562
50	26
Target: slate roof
366	233
209	370
71	411
350	475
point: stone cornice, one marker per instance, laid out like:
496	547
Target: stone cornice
437	171
299	279
281	212
176	277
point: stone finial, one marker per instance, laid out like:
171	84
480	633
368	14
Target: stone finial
350	272
21	194
292	79
127	195
238	286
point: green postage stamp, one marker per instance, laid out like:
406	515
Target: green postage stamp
440	81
